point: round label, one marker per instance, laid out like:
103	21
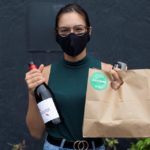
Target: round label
99	81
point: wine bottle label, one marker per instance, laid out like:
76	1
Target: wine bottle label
48	110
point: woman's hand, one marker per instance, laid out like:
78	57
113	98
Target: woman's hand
116	80
34	78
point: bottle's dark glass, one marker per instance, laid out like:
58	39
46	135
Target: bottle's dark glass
46	104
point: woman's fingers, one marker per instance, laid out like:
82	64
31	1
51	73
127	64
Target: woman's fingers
41	67
32	84
34	78
116	80
114	75
31	75
106	67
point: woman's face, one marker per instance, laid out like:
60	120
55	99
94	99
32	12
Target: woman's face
72	44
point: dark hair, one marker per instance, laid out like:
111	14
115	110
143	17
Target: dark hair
73	7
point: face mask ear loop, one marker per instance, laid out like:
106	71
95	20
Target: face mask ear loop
89	30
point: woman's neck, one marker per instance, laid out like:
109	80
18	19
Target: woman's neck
75	58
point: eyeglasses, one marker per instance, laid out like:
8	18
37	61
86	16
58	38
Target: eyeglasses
78	30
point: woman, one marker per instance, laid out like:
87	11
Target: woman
67	80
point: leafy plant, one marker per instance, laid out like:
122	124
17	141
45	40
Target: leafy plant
19	146
141	144
111	143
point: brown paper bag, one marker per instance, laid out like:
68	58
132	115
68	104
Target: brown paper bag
117	113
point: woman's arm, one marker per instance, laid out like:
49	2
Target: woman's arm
34	120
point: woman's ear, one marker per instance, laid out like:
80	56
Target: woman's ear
90	30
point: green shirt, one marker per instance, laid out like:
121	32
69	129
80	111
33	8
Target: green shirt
68	82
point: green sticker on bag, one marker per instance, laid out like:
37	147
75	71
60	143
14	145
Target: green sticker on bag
99	81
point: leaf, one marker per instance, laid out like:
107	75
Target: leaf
19	146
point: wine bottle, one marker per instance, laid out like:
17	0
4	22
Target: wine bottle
45	102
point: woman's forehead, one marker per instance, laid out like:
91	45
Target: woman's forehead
71	19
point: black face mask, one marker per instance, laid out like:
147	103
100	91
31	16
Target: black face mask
73	44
